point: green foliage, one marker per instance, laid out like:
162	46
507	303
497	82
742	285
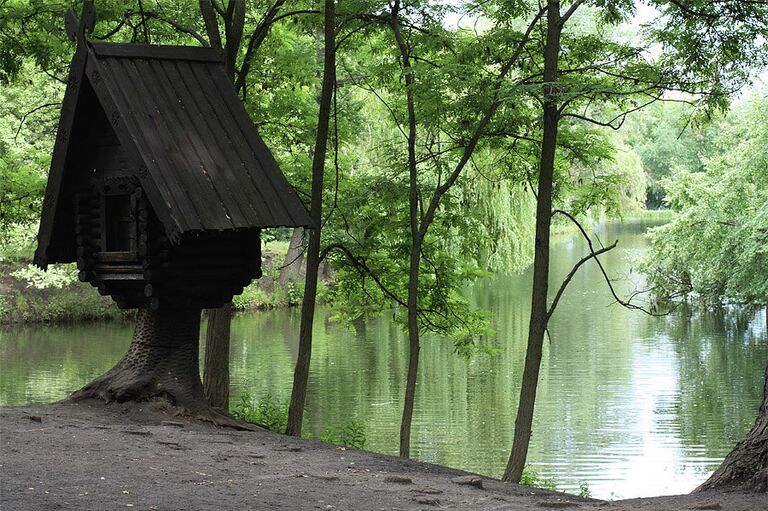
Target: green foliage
27	113
351	434
267	411
294	292
584	490
667	138
18	244
272	413
532	478
256	297
715	248
71	304
57	276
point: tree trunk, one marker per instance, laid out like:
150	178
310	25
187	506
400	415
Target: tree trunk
301	372
293	265
417	238
538	320
216	373
162	362
414	346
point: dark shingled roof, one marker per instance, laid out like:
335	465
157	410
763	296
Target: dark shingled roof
200	159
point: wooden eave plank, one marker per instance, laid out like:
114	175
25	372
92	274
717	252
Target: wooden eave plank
200	191
296	214
124	126
151	51
271	199
160	166
220	147
59	157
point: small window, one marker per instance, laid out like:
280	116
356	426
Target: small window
120	224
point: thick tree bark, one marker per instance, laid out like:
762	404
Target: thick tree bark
162	362
301	372
293	264
216	369
538	320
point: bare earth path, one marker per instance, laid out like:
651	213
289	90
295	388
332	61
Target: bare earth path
88	456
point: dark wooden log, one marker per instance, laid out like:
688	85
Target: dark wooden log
120	276
116	257
84	263
155	263
118	268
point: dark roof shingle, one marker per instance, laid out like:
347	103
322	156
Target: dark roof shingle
200	148
201	160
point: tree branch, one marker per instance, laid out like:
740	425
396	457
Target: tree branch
624	303
480	129
592	255
24	117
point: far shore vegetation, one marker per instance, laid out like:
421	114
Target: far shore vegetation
30	296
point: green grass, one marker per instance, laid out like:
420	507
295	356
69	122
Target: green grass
272	414
63	306
532	478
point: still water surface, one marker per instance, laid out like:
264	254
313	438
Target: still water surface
631	404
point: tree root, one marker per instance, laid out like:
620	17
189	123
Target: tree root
161	365
161	400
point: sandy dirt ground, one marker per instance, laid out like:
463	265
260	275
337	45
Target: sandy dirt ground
91	456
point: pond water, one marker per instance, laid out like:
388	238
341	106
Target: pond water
633	405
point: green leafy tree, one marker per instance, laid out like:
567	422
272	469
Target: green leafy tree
668	137
585	76
715	251
716	246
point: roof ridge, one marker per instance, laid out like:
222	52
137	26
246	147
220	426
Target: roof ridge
157	51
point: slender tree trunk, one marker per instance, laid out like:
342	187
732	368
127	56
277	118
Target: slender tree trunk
301	372
216	374
538	320
414	346
161	362
417	238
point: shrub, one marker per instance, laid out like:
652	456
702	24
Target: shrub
351	434
532	478
58	276
273	415
268	412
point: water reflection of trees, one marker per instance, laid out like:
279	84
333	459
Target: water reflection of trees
41	364
721	356
593	371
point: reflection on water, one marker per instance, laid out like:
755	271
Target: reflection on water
632	404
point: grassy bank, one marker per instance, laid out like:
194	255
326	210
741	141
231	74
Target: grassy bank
28	295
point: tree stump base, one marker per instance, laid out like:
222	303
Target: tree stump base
162	362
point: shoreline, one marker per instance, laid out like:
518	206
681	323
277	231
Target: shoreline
94	456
